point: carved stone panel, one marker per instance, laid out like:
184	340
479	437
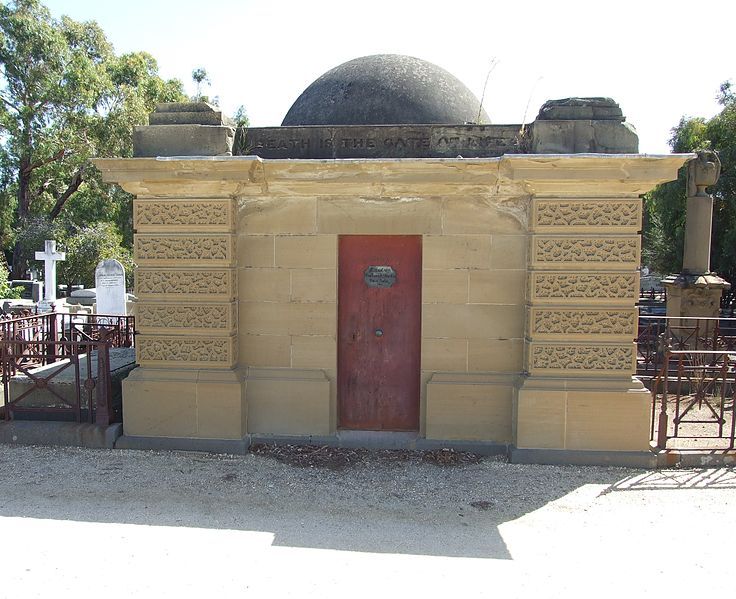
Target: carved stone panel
582	359
580	214
578	323
183	250
184	284
210	352
183	215
601	253
191	318
584	288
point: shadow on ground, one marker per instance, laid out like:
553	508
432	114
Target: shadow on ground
406	506
699	478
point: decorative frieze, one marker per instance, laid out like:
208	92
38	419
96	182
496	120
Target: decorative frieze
185	249
572	287
215	284
202	317
622	215
581	322
211	352
183	215
585	252
580	359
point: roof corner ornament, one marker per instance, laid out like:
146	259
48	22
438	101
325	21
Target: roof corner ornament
702	171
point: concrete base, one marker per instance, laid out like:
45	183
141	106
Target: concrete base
561	457
383	440
68	434
232	446
696	458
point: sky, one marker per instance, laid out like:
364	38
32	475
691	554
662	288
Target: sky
660	60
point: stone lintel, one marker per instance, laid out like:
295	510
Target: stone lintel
550	175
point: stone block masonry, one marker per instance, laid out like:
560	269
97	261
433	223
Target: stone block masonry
529	278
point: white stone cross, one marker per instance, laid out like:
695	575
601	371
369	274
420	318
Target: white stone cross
50	257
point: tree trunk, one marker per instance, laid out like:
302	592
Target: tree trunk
20	263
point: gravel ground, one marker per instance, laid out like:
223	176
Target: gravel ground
319	522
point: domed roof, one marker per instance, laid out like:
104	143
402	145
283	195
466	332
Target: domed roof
385	89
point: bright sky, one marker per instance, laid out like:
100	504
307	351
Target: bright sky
659	59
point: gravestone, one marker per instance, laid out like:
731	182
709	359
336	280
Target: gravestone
31	290
82	297
49	257
110	285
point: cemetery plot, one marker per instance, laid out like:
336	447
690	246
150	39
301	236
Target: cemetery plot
64	366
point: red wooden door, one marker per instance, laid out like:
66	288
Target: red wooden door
379	332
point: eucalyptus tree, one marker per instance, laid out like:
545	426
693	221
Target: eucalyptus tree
65	96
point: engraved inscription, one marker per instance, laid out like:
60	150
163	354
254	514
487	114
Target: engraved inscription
212	247
379	276
109	281
183	213
583	357
208	316
175	349
351	143
598	249
576	213
185	282
584	286
582	322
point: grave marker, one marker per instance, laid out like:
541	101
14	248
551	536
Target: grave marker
49	257
110	285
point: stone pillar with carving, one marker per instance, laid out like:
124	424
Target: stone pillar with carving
578	393
187	386
696	291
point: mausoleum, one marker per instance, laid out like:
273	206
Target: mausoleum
388	268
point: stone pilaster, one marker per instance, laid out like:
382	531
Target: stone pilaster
186	320
581	323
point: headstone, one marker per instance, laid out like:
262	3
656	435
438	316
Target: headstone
49	257
31	290
110	285
82	297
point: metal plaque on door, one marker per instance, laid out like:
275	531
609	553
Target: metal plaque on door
379	276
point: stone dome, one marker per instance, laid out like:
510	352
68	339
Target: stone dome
385	89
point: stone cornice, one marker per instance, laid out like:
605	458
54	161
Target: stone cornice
535	174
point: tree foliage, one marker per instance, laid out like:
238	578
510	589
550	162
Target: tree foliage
84	246
664	225
65	97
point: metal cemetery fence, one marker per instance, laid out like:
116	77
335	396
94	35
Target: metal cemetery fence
61	342
689	365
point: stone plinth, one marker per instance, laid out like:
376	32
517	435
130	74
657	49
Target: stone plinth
694	296
185	129
581	125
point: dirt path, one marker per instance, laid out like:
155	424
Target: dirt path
125	523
